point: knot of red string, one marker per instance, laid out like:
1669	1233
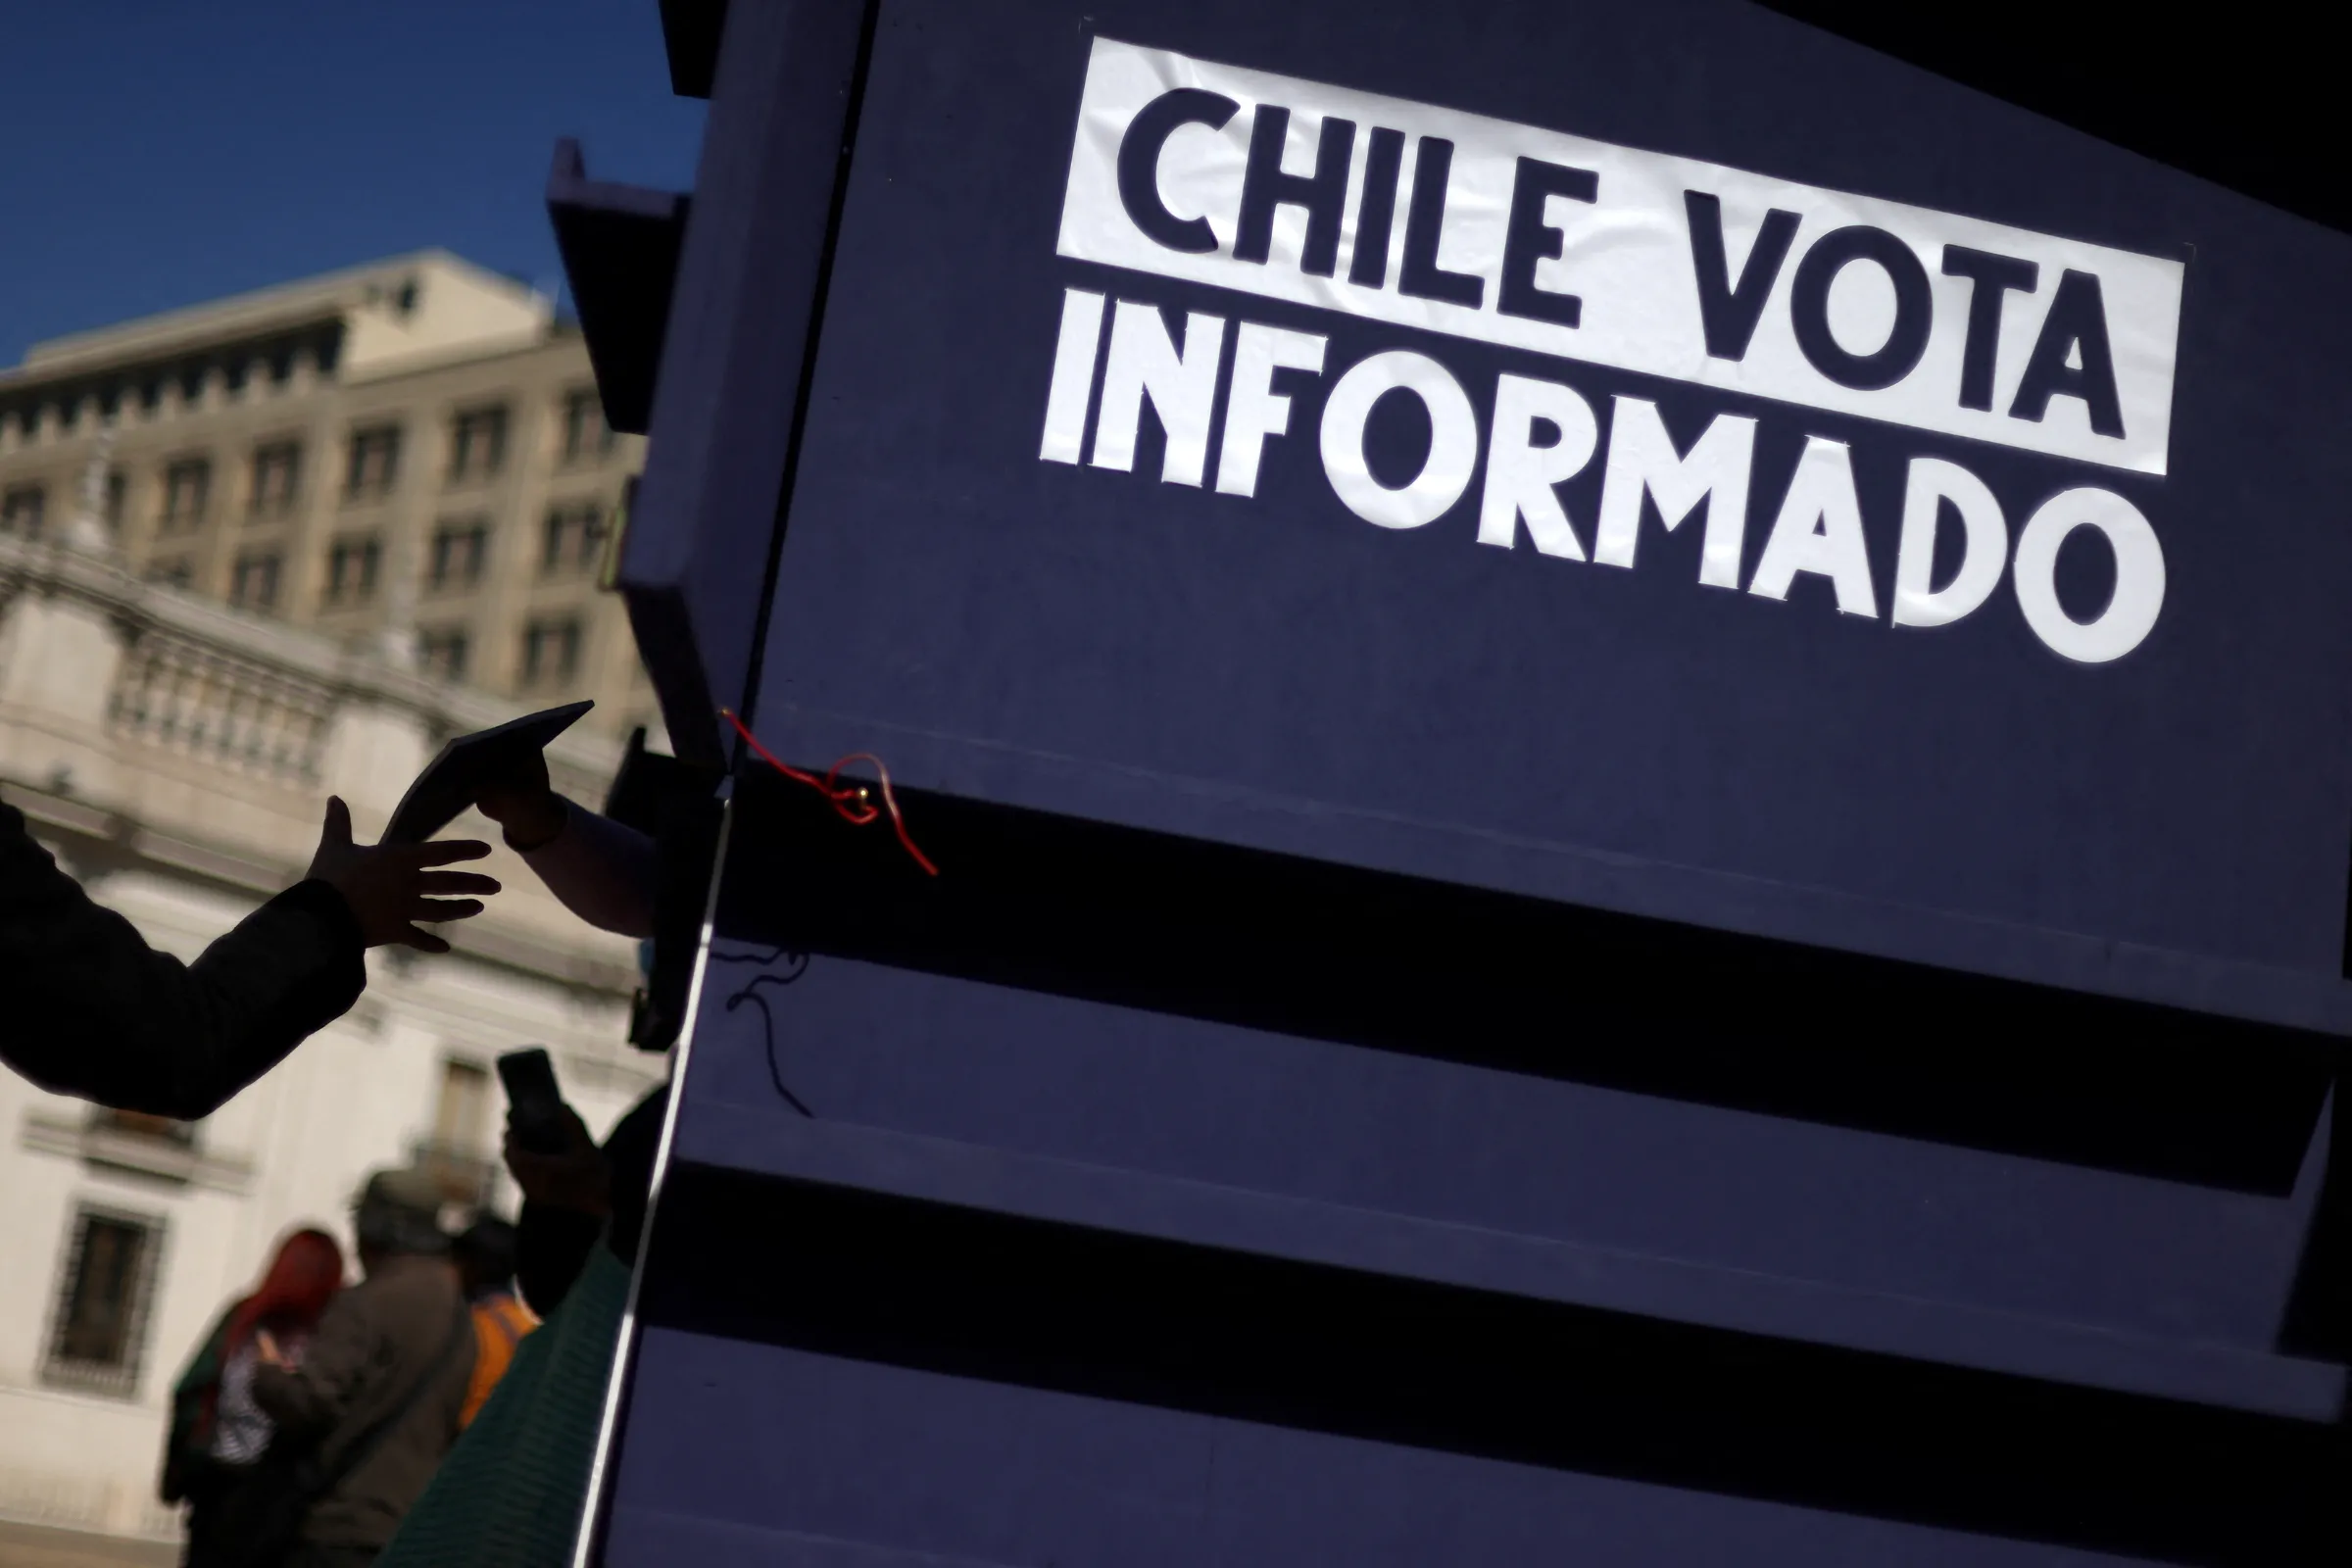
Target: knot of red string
850	801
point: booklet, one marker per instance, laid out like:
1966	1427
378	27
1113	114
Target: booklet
455	778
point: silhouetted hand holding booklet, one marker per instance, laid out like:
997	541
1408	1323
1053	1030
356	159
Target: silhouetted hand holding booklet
469	764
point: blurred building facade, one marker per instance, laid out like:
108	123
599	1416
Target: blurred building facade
174	747
411	450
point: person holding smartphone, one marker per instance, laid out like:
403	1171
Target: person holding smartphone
576	1191
512	1492
376	1398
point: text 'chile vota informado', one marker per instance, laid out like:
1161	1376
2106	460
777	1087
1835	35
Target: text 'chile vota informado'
1715	278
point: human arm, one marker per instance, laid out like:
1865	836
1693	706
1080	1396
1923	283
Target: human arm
98	1013
629	1155
572	1198
310	1396
567	1197
602	870
551	1247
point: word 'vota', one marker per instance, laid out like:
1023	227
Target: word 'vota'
1542	434
1565	246
2071	355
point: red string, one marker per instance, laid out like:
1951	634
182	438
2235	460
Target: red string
848	801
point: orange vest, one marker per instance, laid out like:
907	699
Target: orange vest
499	1324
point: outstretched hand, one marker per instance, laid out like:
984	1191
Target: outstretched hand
524	803
392	887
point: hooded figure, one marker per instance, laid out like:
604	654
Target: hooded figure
381	1386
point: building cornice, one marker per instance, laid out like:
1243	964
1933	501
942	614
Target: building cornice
55	569
193	1165
276	309
110	833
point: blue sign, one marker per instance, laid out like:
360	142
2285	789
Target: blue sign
1577	472
1635	728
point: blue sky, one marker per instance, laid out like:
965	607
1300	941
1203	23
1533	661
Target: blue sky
162	152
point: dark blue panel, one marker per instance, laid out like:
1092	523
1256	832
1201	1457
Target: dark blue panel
750	277
1276	672
995	1247
1404	1165
776	1456
1526	985
1133	1319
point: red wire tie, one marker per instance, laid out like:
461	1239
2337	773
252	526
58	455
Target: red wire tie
848	801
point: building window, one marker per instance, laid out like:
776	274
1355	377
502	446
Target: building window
477	444
138	1124
179	572
461	1117
441	651
551	651
187	486
586	435
117	486
277	470
22	510
401	299
460	550
97	1337
374	464
574	539
254	583
458	1156
351	568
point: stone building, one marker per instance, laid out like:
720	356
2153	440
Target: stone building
414	447
172	718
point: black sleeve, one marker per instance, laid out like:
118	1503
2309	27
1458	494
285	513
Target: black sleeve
96	1013
631	1149
551	1244
551	1247
349	1351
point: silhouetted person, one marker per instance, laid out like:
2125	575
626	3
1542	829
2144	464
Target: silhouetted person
218	1434
384	1381
514	1493
485	1258
93	1012
604	872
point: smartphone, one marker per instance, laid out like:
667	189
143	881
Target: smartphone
535	1100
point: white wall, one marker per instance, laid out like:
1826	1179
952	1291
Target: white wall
199	844
352	1100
